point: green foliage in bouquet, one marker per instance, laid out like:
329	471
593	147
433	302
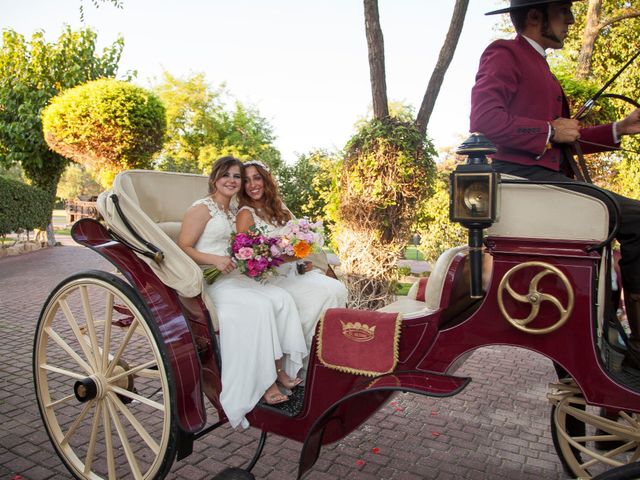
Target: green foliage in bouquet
106	125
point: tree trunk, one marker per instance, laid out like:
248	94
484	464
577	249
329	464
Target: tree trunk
591	30
444	59
375	45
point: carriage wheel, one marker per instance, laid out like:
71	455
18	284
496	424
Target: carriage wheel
577	447
100	374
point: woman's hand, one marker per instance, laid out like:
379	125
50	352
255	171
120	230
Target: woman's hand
224	264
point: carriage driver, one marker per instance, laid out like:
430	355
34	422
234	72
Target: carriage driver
520	106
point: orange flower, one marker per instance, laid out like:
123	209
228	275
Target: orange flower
301	249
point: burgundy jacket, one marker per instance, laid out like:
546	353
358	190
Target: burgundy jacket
514	99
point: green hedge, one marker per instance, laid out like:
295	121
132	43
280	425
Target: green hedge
22	206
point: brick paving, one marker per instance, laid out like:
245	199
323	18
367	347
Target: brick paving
498	428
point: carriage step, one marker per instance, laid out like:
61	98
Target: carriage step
292	407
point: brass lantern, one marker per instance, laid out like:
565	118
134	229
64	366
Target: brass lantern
473	185
473	200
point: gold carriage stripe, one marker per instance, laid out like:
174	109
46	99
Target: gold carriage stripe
358	341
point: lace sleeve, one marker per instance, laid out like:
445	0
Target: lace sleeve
251	211
213	208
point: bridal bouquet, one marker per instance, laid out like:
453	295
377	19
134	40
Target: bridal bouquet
300	237
255	254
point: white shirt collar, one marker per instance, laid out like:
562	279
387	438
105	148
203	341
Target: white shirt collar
538	48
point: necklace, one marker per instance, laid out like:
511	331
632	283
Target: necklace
224	211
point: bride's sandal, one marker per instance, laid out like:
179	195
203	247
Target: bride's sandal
274	398
286	381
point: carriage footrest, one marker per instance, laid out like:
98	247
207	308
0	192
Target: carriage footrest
612	359
290	408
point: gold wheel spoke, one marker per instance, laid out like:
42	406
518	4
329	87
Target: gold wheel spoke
125	342
65	346
153	445
71	320
88	462
108	318
135	396
111	462
60	401
62	371
131	457
149	374
88	315
74	426
132	371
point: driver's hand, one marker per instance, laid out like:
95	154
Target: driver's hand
567	130
630	125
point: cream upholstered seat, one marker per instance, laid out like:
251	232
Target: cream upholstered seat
548	212
154	204
409	307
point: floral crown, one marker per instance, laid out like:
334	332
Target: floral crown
256	162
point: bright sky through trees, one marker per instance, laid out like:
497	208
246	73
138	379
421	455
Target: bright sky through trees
303	64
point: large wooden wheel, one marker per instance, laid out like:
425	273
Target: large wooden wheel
101	380
599	444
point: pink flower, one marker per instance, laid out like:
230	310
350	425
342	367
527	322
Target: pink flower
244	253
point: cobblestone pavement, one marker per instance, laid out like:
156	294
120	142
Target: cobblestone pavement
498	428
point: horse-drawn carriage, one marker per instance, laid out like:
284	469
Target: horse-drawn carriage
123	363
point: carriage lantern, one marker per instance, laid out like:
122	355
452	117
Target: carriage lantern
472	200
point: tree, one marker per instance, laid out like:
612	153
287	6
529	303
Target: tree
596	48
31	73
595	24
303	183
386	174
96	3
201	127
76	182
106	125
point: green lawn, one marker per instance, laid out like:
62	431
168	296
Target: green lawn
403	288
412	253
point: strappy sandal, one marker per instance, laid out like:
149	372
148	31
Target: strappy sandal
274	398
287	382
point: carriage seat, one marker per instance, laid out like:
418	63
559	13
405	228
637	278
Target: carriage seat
165	196
411	307
154	203
548	212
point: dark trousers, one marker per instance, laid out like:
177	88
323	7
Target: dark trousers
628	235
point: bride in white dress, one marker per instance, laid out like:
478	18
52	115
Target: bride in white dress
261	339
260	205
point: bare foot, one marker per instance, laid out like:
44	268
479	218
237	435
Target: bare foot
286	381
273	396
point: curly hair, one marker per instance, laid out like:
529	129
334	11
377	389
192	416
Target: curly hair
273	209
220	167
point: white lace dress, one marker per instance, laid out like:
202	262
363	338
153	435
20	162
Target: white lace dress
313	291
259	323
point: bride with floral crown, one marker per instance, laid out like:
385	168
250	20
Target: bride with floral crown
260	205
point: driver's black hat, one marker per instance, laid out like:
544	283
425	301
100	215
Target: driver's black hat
518	4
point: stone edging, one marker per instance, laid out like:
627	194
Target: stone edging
19	248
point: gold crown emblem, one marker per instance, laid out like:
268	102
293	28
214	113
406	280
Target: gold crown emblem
358	332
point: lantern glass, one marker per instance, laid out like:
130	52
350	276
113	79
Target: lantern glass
473	197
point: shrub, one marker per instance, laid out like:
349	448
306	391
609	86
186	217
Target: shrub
22	206
106	125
